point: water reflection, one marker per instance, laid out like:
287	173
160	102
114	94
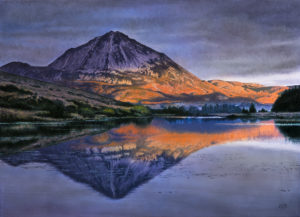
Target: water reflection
290	130
20	136
117	161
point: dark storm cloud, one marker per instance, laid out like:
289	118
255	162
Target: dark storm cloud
233	39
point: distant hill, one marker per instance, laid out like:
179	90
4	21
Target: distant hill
288	101
28	99
117	66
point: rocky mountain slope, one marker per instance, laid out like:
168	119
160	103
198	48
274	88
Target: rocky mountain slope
117	66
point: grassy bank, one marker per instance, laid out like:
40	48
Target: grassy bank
24	99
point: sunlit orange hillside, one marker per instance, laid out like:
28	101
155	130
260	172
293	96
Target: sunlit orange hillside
117	66
167	91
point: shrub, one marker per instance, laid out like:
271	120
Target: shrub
86	112
84	109
245	111
18	103
263	110
109	111
139	109
71	109
13	88
57	109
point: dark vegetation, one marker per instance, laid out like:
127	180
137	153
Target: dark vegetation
252	109
245	111
178	111
288	101
54	108
12	88
195	111
263	110
220	108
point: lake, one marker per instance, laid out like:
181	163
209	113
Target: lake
151	167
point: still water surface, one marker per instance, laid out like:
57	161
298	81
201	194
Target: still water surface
151	167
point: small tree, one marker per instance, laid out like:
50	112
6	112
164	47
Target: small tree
245	111
252	108
263	110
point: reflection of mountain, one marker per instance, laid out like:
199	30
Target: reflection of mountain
119	160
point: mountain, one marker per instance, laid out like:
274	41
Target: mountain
117	66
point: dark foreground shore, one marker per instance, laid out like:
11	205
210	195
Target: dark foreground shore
264	115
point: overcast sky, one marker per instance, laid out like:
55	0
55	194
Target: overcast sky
245	40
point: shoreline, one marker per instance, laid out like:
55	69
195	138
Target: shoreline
266	115
258	115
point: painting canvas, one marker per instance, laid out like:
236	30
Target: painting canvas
137	108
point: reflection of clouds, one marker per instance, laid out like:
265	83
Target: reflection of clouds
211	38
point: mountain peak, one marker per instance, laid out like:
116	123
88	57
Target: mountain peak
111	51
115	33
112	35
